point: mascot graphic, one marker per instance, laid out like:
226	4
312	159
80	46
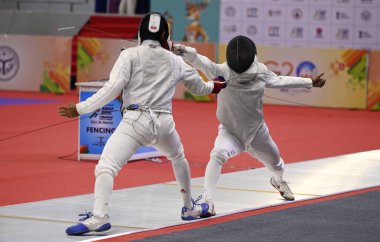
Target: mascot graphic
194	29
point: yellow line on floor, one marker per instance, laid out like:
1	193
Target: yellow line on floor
60	221
246	190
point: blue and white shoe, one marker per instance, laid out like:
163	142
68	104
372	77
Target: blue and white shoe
211	209
196	212
88	224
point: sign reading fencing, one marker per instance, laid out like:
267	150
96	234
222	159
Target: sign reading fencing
96	128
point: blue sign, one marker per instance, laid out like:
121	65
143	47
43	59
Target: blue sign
96	128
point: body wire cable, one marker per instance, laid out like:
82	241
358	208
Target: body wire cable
49	126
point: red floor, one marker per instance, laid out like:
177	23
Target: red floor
32	170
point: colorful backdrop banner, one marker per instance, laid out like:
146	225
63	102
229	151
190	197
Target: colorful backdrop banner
97	56
345	71
373	101
191	20
35	63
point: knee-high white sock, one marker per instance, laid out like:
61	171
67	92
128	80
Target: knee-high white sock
213	171
102	193
182	174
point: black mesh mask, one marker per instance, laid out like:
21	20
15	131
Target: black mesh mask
154	26
240	53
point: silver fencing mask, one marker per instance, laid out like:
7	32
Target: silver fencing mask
240	53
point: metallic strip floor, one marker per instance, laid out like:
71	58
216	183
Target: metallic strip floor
156	206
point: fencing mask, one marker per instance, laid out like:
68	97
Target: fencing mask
154	26
240	53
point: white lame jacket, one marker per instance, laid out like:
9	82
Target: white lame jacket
146	75
240	103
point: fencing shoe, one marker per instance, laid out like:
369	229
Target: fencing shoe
89	223
283	188
211	209
196	212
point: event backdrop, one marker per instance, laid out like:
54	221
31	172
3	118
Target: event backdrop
305	23
26	64
96	57
345	70
373	101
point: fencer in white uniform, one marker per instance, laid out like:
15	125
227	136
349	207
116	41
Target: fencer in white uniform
240	111
146	75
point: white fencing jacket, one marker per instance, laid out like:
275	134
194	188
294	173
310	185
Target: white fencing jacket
147	75
240	103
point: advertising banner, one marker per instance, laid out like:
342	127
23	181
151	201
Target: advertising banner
345	71
303	23
96	57
96	128
373	101
35	63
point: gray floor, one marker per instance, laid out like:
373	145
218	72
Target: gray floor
348	219
157	206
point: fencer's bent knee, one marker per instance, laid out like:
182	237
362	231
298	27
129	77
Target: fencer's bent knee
177	155
219	155
106	166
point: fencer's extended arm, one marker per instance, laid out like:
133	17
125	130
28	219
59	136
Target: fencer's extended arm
274	81
199	62
192	81
119	77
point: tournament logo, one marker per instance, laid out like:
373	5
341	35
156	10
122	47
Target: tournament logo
363	34
306	69
320	15
274	31
9	63
341	15
252	30
319	33
297	14
342	34
252	12
230	11
366	16
297	32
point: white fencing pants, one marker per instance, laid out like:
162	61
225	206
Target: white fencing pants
135	130
227	145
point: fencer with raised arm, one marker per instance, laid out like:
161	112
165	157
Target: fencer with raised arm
240	110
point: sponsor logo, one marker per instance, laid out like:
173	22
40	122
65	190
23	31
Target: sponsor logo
344	1
320	14
275	13
366	1
229	29
342	34
306	69
296	32
9	63
252	30
230	11
363	34
297	14
251	12
274	31
341	15
319	33
366	16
